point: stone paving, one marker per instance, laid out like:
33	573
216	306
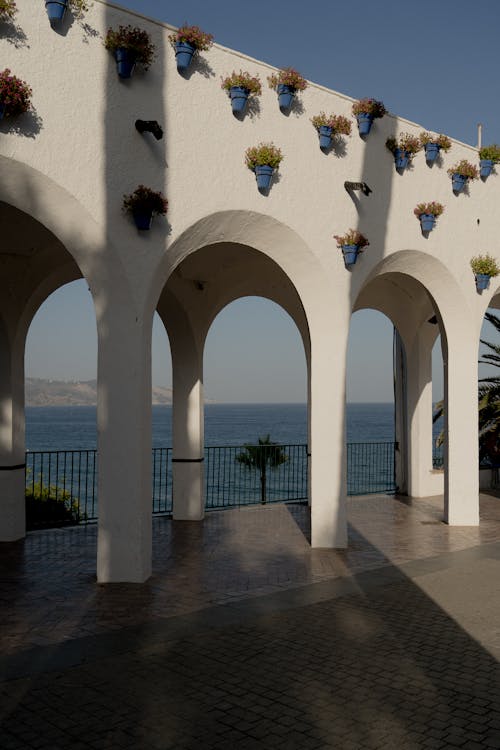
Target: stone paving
244	637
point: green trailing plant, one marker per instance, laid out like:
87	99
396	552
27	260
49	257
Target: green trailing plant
490	152
434	208
134	39
49	505
145	199
263	154
485	264
261	457
339	124
371	107
8	10
79	7
14	94
192	35
244	80
442	140
464	168
287	77
405	142
352	237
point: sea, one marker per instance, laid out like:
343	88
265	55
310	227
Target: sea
50	428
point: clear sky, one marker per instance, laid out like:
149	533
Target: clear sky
435	63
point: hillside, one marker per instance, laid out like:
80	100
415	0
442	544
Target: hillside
41	392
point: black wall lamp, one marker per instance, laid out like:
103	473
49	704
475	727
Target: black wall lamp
149	126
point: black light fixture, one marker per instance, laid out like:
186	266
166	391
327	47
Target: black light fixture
150	126
358	186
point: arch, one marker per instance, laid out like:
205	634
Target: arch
260	232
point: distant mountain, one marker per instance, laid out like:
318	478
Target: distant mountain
75	393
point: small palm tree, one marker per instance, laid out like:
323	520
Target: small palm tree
261	457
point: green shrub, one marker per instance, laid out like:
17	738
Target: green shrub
48	506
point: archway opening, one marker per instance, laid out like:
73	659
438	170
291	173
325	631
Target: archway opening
489	397
370	415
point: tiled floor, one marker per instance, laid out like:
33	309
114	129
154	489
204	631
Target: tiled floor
246	637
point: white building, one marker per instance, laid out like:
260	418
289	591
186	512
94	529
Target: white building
63	172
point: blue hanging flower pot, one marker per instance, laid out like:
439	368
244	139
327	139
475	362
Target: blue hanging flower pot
431	152
264	175
56	10
286	95
350	253
401	159
325	137
239	98
184	52
482	281
142	218
125	61
365	122
458	182
427	222
485	168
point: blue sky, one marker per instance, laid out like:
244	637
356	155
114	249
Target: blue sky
435	63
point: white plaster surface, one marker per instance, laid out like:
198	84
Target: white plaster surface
69	174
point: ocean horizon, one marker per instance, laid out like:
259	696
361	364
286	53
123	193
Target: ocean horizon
74	427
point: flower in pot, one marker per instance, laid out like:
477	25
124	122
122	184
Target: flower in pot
329	127
14	95
131	46
240	86
366	111
404	149
187	41
433	144
484	268
56	9
488	157
351	243
263	160
461	173
287	82
427	213
8	10
143	203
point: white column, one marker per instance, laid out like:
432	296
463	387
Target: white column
187	429
328	450
124	446
422	482
461	492
12	447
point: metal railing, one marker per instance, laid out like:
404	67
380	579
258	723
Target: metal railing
61	486
255	474
370	468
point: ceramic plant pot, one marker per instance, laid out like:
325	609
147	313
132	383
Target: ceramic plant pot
431	152
239	98
365	122
142	218
350	253
184	52
125	62
56	10
427	222
325	137
263	175
286	95
485	168
482	281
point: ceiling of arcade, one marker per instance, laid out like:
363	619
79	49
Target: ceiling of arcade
30	254
211	278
